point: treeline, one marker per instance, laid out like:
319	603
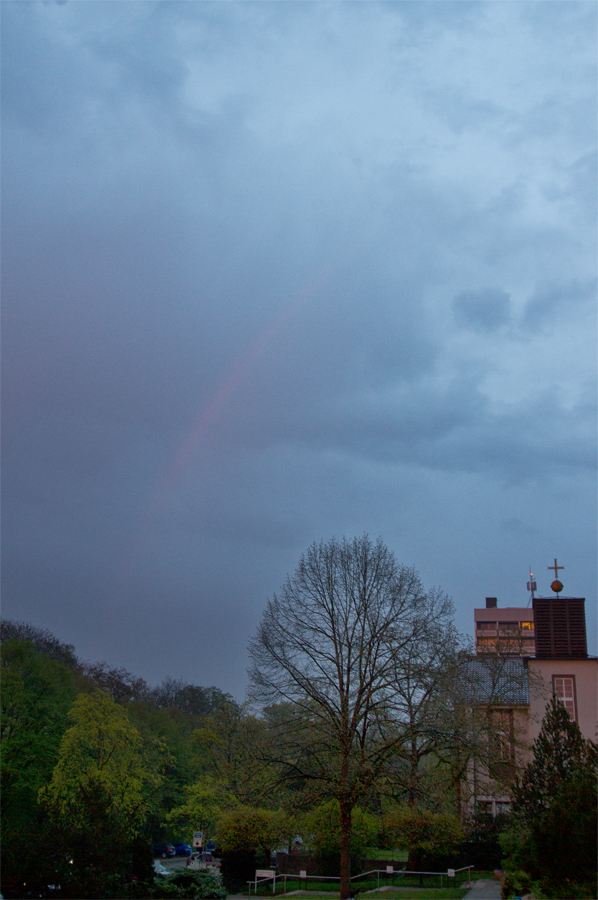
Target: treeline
118	682
94	761
96	765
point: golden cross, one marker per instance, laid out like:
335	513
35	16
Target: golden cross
556	568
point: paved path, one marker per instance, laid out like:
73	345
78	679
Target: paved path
484	889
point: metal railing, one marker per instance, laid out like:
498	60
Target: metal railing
390	873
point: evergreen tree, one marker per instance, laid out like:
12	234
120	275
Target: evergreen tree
552	841
559	750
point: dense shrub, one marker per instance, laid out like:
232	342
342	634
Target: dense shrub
193	885
238	867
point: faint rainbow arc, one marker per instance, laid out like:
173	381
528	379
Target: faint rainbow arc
203	422
232	380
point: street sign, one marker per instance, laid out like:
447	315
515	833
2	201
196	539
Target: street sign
198	839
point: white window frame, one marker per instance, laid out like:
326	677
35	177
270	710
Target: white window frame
567	698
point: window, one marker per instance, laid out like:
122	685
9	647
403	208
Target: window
527	626
564	691
502	807
487	643
486	626
485	806
502	721
508	626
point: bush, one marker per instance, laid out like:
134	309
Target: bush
194	885
238	867
482	847
423	833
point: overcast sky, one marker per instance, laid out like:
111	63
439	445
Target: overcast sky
275	272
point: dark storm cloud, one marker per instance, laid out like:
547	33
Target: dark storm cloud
273	272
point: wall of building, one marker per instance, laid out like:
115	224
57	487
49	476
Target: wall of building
585	673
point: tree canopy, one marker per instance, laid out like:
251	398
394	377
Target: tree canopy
102	756
332	647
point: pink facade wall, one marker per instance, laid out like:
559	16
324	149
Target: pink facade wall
585	672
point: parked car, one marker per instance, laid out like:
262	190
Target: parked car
163	850
182	849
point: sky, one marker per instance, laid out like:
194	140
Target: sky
277	272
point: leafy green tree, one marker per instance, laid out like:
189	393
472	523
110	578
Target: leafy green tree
99	793
553	838
421	831
206	801
251	828
37	692
103	754
247	835
230	747
321	829
118	682
172	729
42	640
189	698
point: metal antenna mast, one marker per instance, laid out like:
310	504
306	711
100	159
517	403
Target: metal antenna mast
531	585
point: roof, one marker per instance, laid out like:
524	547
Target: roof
496	680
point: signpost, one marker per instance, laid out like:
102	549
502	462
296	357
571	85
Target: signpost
197	840
261	874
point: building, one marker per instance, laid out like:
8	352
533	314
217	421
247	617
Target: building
523	657
510	630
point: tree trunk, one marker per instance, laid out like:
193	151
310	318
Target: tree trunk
413	767
458	791
345	811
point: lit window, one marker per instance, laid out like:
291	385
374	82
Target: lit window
486	642
564	691
527	626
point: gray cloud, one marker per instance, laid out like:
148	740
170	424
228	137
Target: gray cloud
273	272
551	301
483	310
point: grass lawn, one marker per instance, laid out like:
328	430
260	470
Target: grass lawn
330	888
390	855
405	894
405	887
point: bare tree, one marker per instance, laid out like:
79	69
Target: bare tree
424	690
330	647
